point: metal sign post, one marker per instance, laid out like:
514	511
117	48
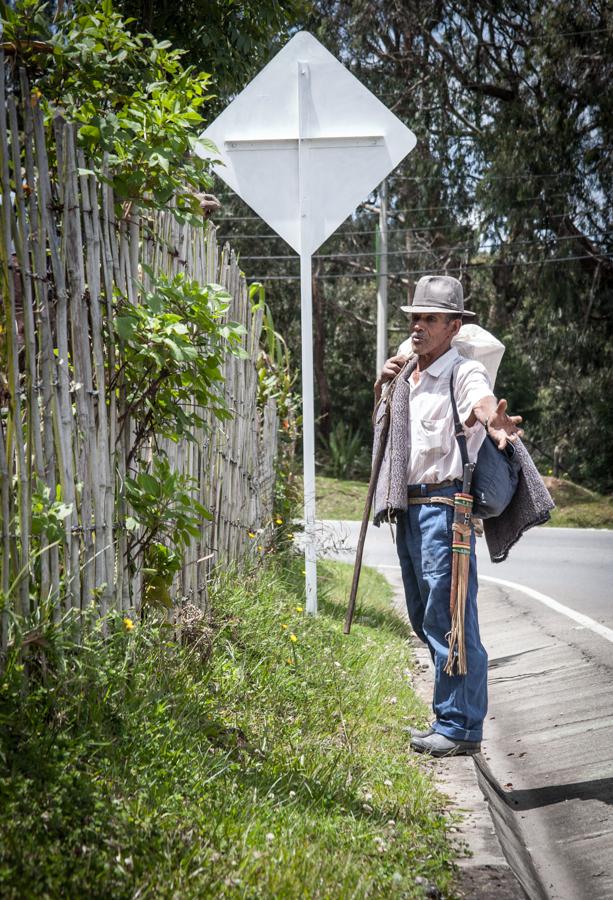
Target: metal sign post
303	144
306	326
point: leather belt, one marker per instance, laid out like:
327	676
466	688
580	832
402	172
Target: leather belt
415	501
429	488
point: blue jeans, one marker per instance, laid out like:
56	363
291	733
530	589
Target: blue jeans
424	550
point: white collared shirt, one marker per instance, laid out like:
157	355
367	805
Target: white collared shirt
435	455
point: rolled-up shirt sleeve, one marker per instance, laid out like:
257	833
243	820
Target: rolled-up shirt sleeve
472	385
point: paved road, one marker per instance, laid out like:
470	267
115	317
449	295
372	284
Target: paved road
572	565
549	731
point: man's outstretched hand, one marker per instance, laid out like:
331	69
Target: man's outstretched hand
501	427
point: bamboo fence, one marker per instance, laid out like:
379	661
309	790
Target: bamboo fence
65	257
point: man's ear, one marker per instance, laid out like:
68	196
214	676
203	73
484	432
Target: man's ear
457	324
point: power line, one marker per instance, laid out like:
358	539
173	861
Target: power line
417	178
582	31
396	211
441	249
429	228
516	177
541	32
520	176
411	272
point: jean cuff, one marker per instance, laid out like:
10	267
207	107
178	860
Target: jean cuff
459	734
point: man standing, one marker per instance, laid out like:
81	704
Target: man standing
425	453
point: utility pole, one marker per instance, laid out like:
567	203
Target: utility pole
382	278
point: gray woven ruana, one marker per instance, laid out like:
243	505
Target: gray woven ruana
391	490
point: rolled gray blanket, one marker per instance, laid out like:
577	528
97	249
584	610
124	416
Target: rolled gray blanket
530	506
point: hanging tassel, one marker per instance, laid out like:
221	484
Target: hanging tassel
460	568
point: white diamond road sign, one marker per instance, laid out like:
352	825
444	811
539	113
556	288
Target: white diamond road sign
303	145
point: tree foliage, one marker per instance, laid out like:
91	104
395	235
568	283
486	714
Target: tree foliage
507	189
232	39
138	107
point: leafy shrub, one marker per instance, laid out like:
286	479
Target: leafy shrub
344	451
173	343
165	518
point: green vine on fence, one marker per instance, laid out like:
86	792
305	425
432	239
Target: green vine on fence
276	380
165	517
173	342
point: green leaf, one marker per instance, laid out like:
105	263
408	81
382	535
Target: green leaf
206	146
149	483
158	159
125	327
90	133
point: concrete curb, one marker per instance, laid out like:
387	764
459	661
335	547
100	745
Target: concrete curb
508	831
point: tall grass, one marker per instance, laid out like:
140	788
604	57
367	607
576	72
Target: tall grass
262	757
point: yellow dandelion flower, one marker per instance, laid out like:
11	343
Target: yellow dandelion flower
293	638
128	624
251	534
299	609
260	548
289	661
283	626
279	520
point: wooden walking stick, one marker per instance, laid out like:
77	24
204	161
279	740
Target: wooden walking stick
372	484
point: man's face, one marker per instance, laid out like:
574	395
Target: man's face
431	332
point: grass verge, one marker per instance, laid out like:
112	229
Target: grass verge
264	759
576	506
336	499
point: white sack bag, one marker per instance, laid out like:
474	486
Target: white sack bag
473	342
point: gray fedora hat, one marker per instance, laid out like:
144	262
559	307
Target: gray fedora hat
438	294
